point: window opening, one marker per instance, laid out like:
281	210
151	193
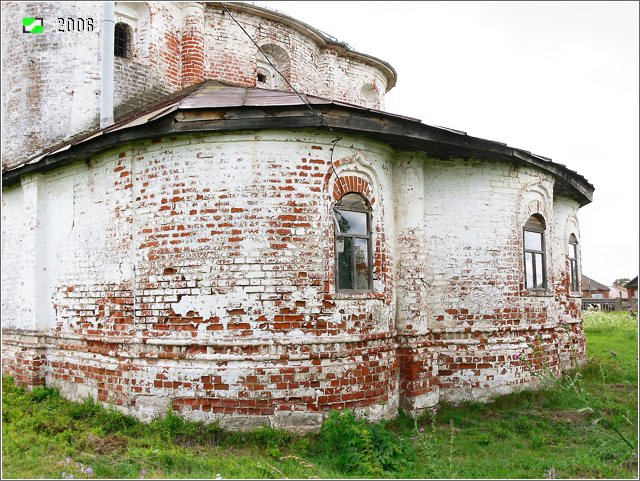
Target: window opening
121	40
534	254
353	243
573	263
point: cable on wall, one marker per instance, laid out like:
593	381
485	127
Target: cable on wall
323	121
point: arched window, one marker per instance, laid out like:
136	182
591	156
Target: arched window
122	40
535	269
573	263
277	60
353	243
369	96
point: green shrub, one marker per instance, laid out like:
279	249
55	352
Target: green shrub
355	446
111	420
41	394
173	428
88	408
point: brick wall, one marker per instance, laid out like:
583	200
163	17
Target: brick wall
57	75
232	309
479	317
197	273
314	69
47	78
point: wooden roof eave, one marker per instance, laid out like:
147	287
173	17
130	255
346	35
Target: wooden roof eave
398	132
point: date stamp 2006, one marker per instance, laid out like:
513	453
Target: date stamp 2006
77	24
35	25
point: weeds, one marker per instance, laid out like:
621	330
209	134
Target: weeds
572	387
550	432
428	447
355	446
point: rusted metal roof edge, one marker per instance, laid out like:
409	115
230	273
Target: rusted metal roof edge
396	131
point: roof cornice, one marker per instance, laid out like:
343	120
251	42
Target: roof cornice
216	107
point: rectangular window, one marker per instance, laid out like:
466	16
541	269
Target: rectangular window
120	40
534	255
539	271
344	263
528	267
362	264
533	241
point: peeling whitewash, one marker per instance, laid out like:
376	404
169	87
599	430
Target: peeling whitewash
196	272
170	266
173	46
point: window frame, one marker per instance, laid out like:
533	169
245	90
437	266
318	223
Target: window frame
368	236
126	29
541	252
574	274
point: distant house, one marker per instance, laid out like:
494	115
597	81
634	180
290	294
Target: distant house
618	291
594	290
632	288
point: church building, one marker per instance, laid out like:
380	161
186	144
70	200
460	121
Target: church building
207	209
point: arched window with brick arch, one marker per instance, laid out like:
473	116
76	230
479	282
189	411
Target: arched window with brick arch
535	268
352	215
271	60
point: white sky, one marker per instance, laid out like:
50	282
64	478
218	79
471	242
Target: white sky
559	79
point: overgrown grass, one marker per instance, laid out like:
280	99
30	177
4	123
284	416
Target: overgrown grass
546	433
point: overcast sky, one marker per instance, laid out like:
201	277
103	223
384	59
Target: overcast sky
559	79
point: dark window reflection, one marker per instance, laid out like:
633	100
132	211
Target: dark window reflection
344	264
362	263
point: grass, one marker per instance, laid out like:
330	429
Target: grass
566	431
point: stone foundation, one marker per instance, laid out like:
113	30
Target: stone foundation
286	385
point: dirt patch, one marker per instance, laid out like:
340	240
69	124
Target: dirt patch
622	386
107	444
570	415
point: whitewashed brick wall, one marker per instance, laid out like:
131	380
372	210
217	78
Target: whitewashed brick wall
52	81
198	273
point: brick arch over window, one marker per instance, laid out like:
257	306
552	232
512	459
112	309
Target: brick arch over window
352	183
381	258
280	59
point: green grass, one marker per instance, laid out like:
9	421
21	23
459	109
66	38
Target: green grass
583	426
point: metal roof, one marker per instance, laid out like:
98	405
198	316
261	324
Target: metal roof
589	284
213	106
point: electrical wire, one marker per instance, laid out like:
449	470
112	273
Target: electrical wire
305	101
